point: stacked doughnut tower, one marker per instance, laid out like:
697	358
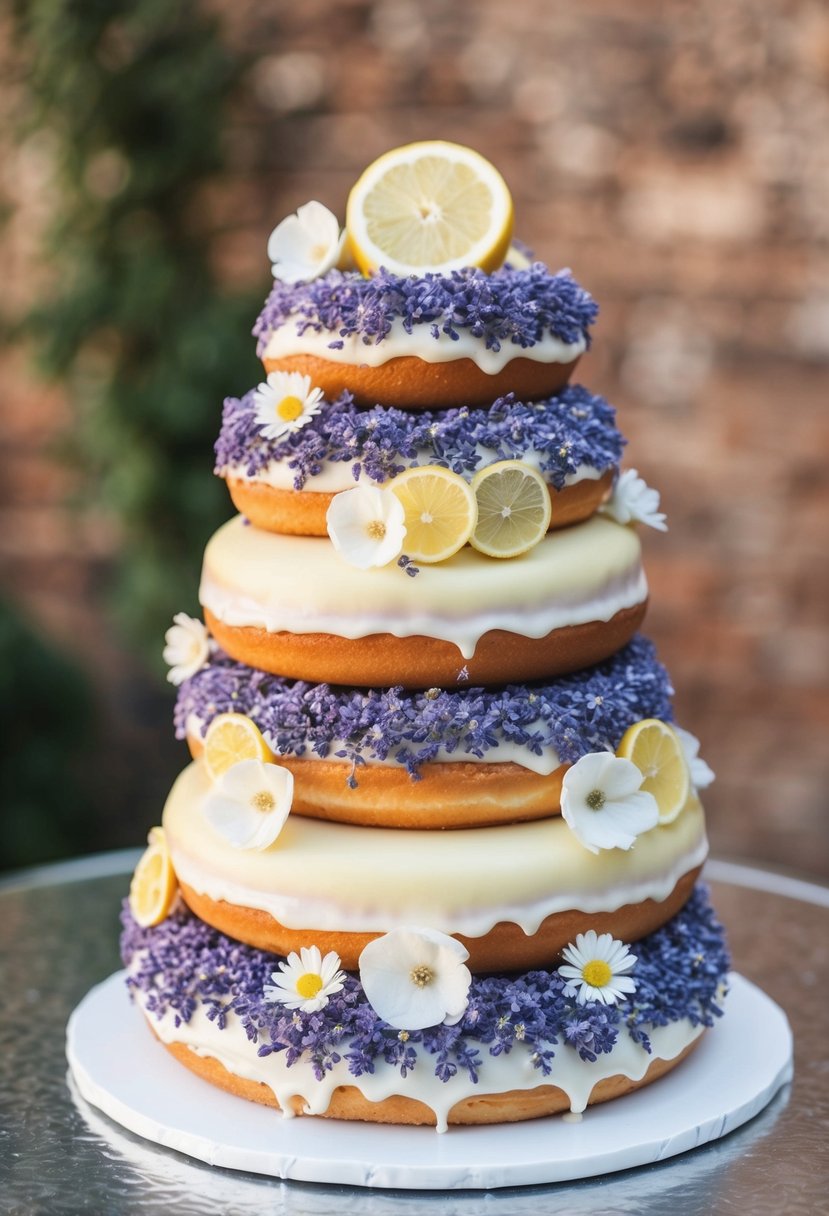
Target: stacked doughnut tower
409	702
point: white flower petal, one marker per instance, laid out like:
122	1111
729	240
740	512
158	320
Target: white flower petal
231	809
634	501
187	647
387	969
701	774
305	245
353	517
602	804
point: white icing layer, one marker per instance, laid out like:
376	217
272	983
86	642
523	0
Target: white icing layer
333	876
285	341
300	584
497	1074
338	475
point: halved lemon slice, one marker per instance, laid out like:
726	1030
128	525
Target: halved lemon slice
514	508
231	738
440	511
153	886
655	749
429	206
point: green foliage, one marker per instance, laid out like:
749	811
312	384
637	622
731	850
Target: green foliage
132	94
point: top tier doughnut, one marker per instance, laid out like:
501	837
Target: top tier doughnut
432	340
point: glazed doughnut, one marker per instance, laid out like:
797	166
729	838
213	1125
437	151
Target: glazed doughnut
347	1102
514	895
506	947
302	513
291	605
434	340
439	758
410	383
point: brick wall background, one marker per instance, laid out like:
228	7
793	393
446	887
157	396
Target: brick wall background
675	156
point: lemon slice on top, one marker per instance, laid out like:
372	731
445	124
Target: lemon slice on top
231	738
655	749
153	886
440	511
514	508
430	206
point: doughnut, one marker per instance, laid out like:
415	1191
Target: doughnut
291	605
347	1102
506	1085
302	513
443	758
436	340
286	484
515	895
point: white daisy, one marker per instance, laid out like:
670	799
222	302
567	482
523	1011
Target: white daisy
634	501
249	803
187	649
414	978
603	804
305	245
596	968
306	980
701	775
366	526
285	403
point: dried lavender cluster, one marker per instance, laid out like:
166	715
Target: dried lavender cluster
587	711
182	965
568	431
519	307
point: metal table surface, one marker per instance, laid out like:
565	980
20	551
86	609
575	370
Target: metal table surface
59	936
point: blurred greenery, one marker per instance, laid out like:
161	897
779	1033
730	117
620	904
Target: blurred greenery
133	95
130	100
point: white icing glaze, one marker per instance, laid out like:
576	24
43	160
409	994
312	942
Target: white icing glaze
336	475
333	876
285	341
300	584
497	1074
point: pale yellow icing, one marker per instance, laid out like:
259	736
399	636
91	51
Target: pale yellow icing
497	1074
300	584
334	876
285	341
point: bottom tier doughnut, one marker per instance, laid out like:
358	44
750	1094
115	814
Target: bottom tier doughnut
524	1047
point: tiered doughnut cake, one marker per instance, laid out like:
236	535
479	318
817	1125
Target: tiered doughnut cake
404	706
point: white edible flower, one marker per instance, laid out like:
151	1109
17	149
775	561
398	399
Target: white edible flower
187	649
306	980
603	804
285	403
366	526
249	803
305	245
596	967
701	775
634	501
414	978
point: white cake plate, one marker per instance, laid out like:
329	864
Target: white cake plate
734	1072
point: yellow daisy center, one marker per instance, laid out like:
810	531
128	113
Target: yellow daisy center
596	973
422	975
263	801
308	985
290	408
376	529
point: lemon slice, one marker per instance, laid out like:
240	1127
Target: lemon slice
429	206
231	738
513	508
153	886
655	749
440	511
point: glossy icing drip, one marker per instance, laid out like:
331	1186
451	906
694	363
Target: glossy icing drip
588	572
332	876
498	1074
421	343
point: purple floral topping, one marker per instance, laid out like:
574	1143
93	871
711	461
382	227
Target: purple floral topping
183	964
569	430
519	307
579	713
